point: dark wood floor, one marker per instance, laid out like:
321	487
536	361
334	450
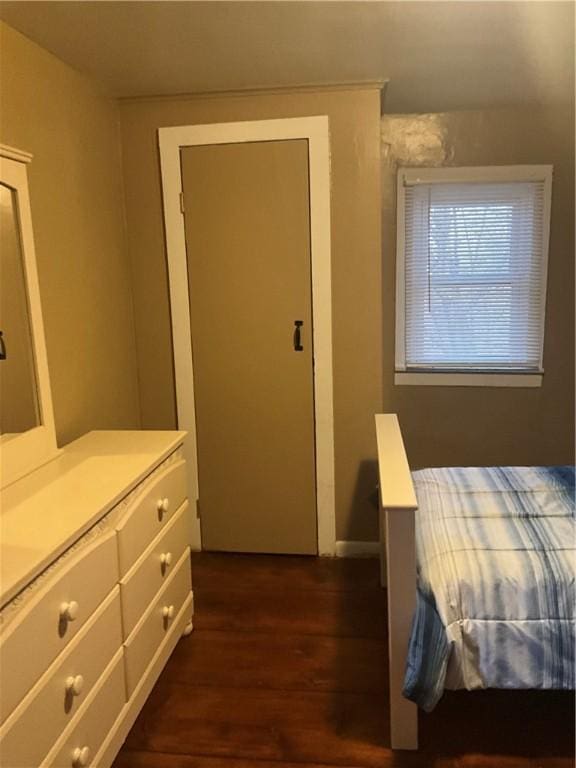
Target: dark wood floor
287	667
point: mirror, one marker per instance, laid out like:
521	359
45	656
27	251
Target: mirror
27	434
19	401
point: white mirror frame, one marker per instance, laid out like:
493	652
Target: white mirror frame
25	452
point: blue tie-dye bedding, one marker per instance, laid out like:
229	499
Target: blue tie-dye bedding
496	580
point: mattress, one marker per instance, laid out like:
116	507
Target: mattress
496	580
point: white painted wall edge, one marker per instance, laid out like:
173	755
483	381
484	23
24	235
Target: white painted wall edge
357	549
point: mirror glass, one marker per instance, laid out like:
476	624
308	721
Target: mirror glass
19	409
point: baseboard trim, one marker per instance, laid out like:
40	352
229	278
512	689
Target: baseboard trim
357	549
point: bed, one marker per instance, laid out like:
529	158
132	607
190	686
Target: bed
481	579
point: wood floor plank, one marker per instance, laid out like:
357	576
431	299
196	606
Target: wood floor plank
336	614
337	729
281	662
134	759
507	761
273	572
287	668
130	759
343	729
518	723
161	760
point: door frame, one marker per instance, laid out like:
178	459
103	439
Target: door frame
316	131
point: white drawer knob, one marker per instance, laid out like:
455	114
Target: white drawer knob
163	505
74	685
69	611
166	559
80	757
168	612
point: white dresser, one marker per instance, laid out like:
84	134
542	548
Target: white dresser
95	591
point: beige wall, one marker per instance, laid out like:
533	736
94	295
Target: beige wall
77	208
356	267
474	426
77	201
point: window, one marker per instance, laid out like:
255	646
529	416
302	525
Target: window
471	275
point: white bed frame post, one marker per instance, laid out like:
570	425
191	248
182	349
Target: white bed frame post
398	570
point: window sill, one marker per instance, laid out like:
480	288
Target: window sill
475	379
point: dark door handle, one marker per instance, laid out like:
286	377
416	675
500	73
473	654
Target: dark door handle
297	341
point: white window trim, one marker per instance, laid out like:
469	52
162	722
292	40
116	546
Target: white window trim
484	174
436	379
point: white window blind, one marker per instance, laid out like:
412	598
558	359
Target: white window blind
474	275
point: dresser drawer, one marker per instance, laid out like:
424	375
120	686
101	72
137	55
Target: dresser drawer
152	570
50	705
56	614
154	625
149	512
93	723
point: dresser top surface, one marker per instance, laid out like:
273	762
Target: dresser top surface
47	511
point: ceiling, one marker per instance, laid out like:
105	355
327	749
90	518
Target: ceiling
456	54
